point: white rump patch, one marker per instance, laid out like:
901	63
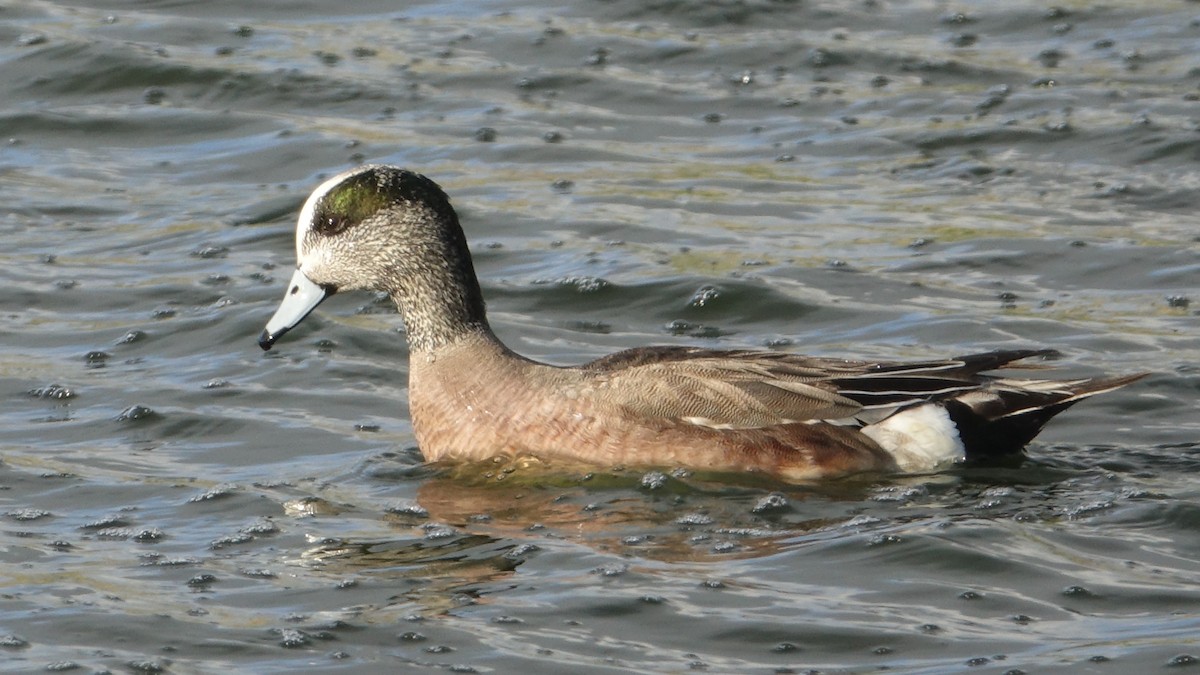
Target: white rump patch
919	438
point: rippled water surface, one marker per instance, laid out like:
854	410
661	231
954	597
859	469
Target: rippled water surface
880	179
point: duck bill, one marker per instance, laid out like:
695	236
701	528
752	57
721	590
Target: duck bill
301	299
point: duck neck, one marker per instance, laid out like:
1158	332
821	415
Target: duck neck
438	296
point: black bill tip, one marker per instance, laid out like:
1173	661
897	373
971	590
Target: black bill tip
267	340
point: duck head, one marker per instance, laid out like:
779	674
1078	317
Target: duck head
382	228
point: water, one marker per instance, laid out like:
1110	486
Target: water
871	179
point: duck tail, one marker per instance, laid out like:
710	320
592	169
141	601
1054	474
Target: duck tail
1000	420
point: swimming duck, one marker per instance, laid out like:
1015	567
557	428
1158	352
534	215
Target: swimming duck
383	228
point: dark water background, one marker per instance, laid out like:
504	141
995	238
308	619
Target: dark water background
867	178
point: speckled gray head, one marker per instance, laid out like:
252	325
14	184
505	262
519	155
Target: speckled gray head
383	228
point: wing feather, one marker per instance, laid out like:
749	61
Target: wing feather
751	389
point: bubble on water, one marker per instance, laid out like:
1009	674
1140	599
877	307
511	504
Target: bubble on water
10	641
215	492
1075	591
785	648
884	540
31	39
135	413
694	519
861	520
653	480
162	561
55	392
95	359
1182	660
291	638
131	337
957	19
438	531
210	251
24	515
697	330
1178	301
411	636
614	570
772	503
598	57
705	295
1088	508
149	535
521	550
408	509
258	573
260	527
726	547
581	284
485	134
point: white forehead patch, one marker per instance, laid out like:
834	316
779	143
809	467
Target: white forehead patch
304	222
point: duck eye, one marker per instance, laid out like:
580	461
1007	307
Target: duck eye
331	224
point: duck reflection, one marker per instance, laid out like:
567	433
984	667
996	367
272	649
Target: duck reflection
483	519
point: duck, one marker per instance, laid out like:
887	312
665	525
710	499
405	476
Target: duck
387	229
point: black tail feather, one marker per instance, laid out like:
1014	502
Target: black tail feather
1001	421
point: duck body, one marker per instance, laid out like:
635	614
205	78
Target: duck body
464	407
801	418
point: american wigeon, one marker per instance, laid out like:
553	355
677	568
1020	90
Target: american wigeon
384	228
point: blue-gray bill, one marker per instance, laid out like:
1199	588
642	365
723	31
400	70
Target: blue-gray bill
301	299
